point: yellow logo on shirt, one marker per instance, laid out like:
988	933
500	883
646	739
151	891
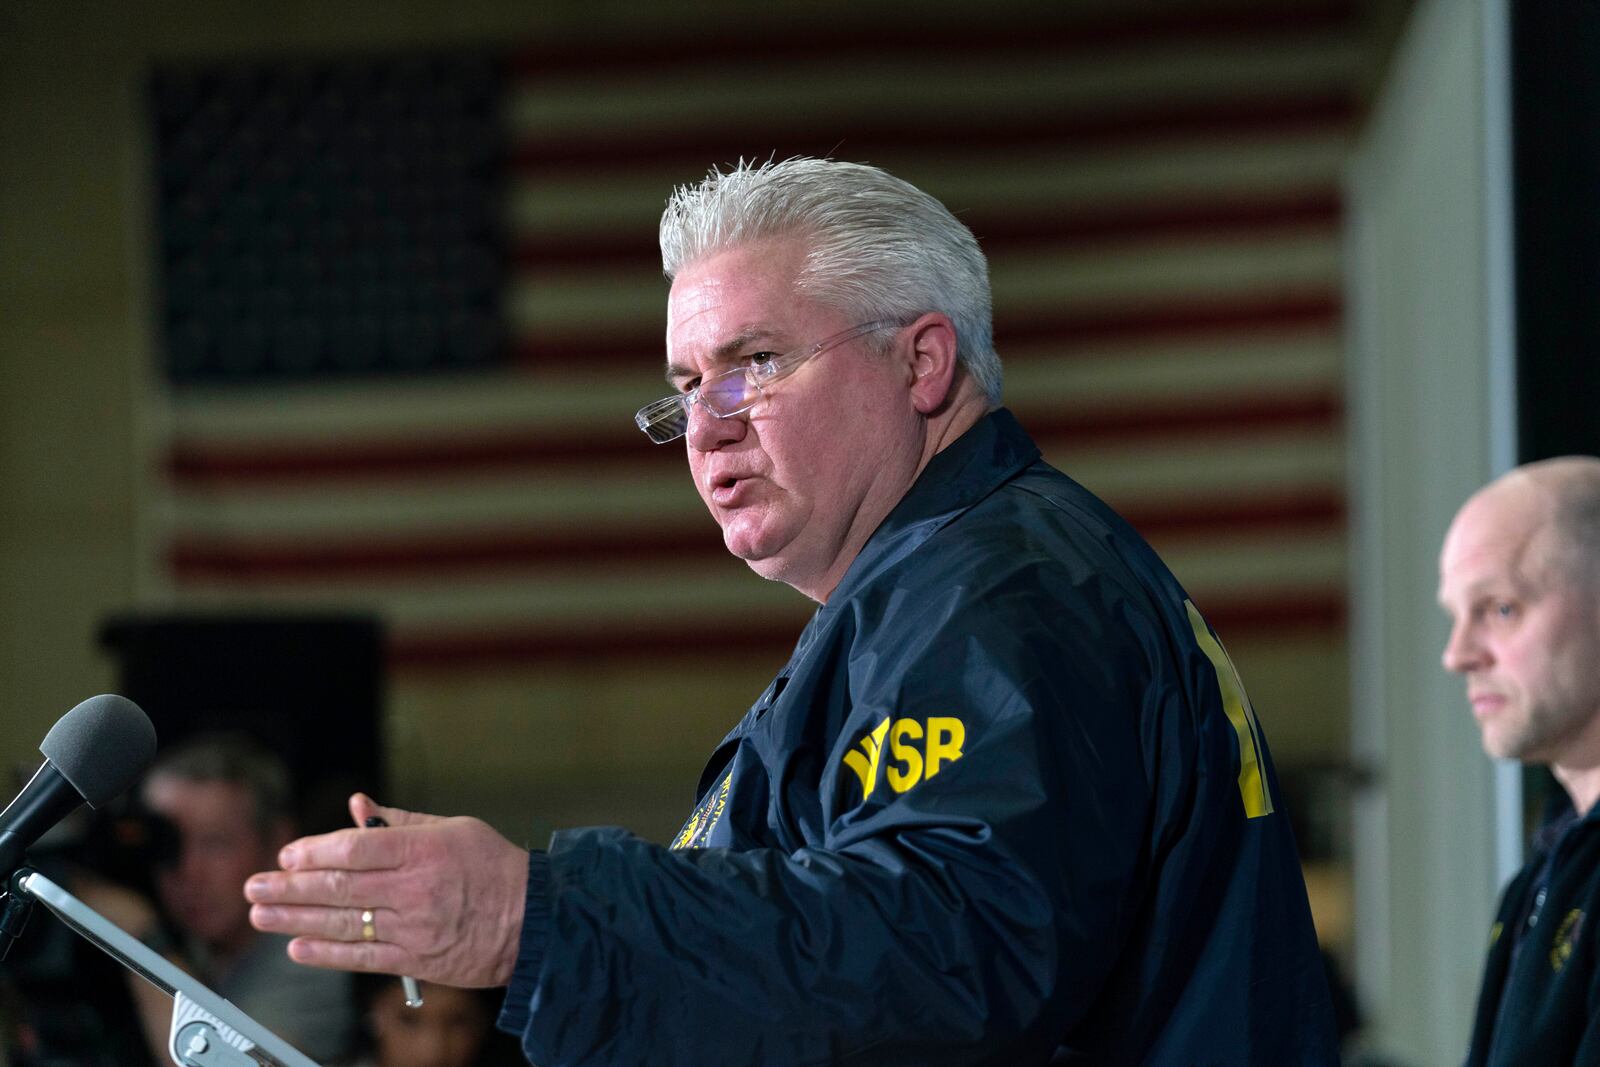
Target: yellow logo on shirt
705	818
1566	939
916	750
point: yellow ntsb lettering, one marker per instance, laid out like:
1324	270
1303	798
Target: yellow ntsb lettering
904	755
917	749
945	738
865	762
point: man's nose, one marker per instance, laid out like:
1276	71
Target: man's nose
1463	651
708	432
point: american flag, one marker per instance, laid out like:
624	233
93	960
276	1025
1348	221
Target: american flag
409	303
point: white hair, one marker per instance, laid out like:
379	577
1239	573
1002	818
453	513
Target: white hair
878	247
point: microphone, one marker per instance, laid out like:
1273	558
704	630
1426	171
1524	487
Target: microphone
92	753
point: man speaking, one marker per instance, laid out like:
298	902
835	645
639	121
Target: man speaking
1008	802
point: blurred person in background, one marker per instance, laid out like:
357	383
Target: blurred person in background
1519	577
229	800
1007	803
452	1028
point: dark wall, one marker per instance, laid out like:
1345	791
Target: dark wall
1556	139
308	687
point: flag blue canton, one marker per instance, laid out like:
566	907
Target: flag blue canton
1158	196
337	218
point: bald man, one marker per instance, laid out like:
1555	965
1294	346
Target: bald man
1519	576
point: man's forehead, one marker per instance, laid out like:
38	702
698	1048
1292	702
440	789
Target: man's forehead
743	279
170	790
1497	538
692	295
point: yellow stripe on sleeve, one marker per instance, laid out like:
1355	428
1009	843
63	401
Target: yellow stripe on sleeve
1252	783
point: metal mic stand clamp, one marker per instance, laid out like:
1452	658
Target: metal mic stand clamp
207	1030
200	1039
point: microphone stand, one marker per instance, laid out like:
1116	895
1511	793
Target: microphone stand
207	1030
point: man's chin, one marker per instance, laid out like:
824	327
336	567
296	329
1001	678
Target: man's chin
1521	749
1497	746
750	545
768	565
765	551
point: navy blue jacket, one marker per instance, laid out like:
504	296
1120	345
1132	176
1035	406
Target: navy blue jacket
1007	804
1540	1001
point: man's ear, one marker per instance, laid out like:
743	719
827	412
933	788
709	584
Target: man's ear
932	362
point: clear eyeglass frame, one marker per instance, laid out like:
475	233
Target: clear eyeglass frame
736	391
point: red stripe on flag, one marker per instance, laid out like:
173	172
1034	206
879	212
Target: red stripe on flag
195	463
567	644
267	561
1198	420
691	149
1189	25
1275	615
1241	217
260	560
1174	319
1070	330
1249	216
1298	511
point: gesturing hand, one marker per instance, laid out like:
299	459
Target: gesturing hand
439	899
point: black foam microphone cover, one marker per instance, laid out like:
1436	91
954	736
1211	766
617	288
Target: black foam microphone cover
92	753
101	746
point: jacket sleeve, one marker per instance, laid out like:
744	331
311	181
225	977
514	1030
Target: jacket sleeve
975	882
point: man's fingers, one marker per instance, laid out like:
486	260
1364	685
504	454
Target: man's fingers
402	874
351	955
363	807
327	888
330	924
355	850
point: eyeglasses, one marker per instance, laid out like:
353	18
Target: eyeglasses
733	392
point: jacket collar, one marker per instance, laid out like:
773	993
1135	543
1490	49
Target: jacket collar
971	467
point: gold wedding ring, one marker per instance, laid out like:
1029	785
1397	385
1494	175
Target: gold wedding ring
368	931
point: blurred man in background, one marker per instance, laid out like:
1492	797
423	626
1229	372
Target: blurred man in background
1007	803
451	1027
1519	576
230	801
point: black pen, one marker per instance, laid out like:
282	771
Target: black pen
409	984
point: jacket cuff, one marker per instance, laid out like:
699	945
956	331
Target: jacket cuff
515	1013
